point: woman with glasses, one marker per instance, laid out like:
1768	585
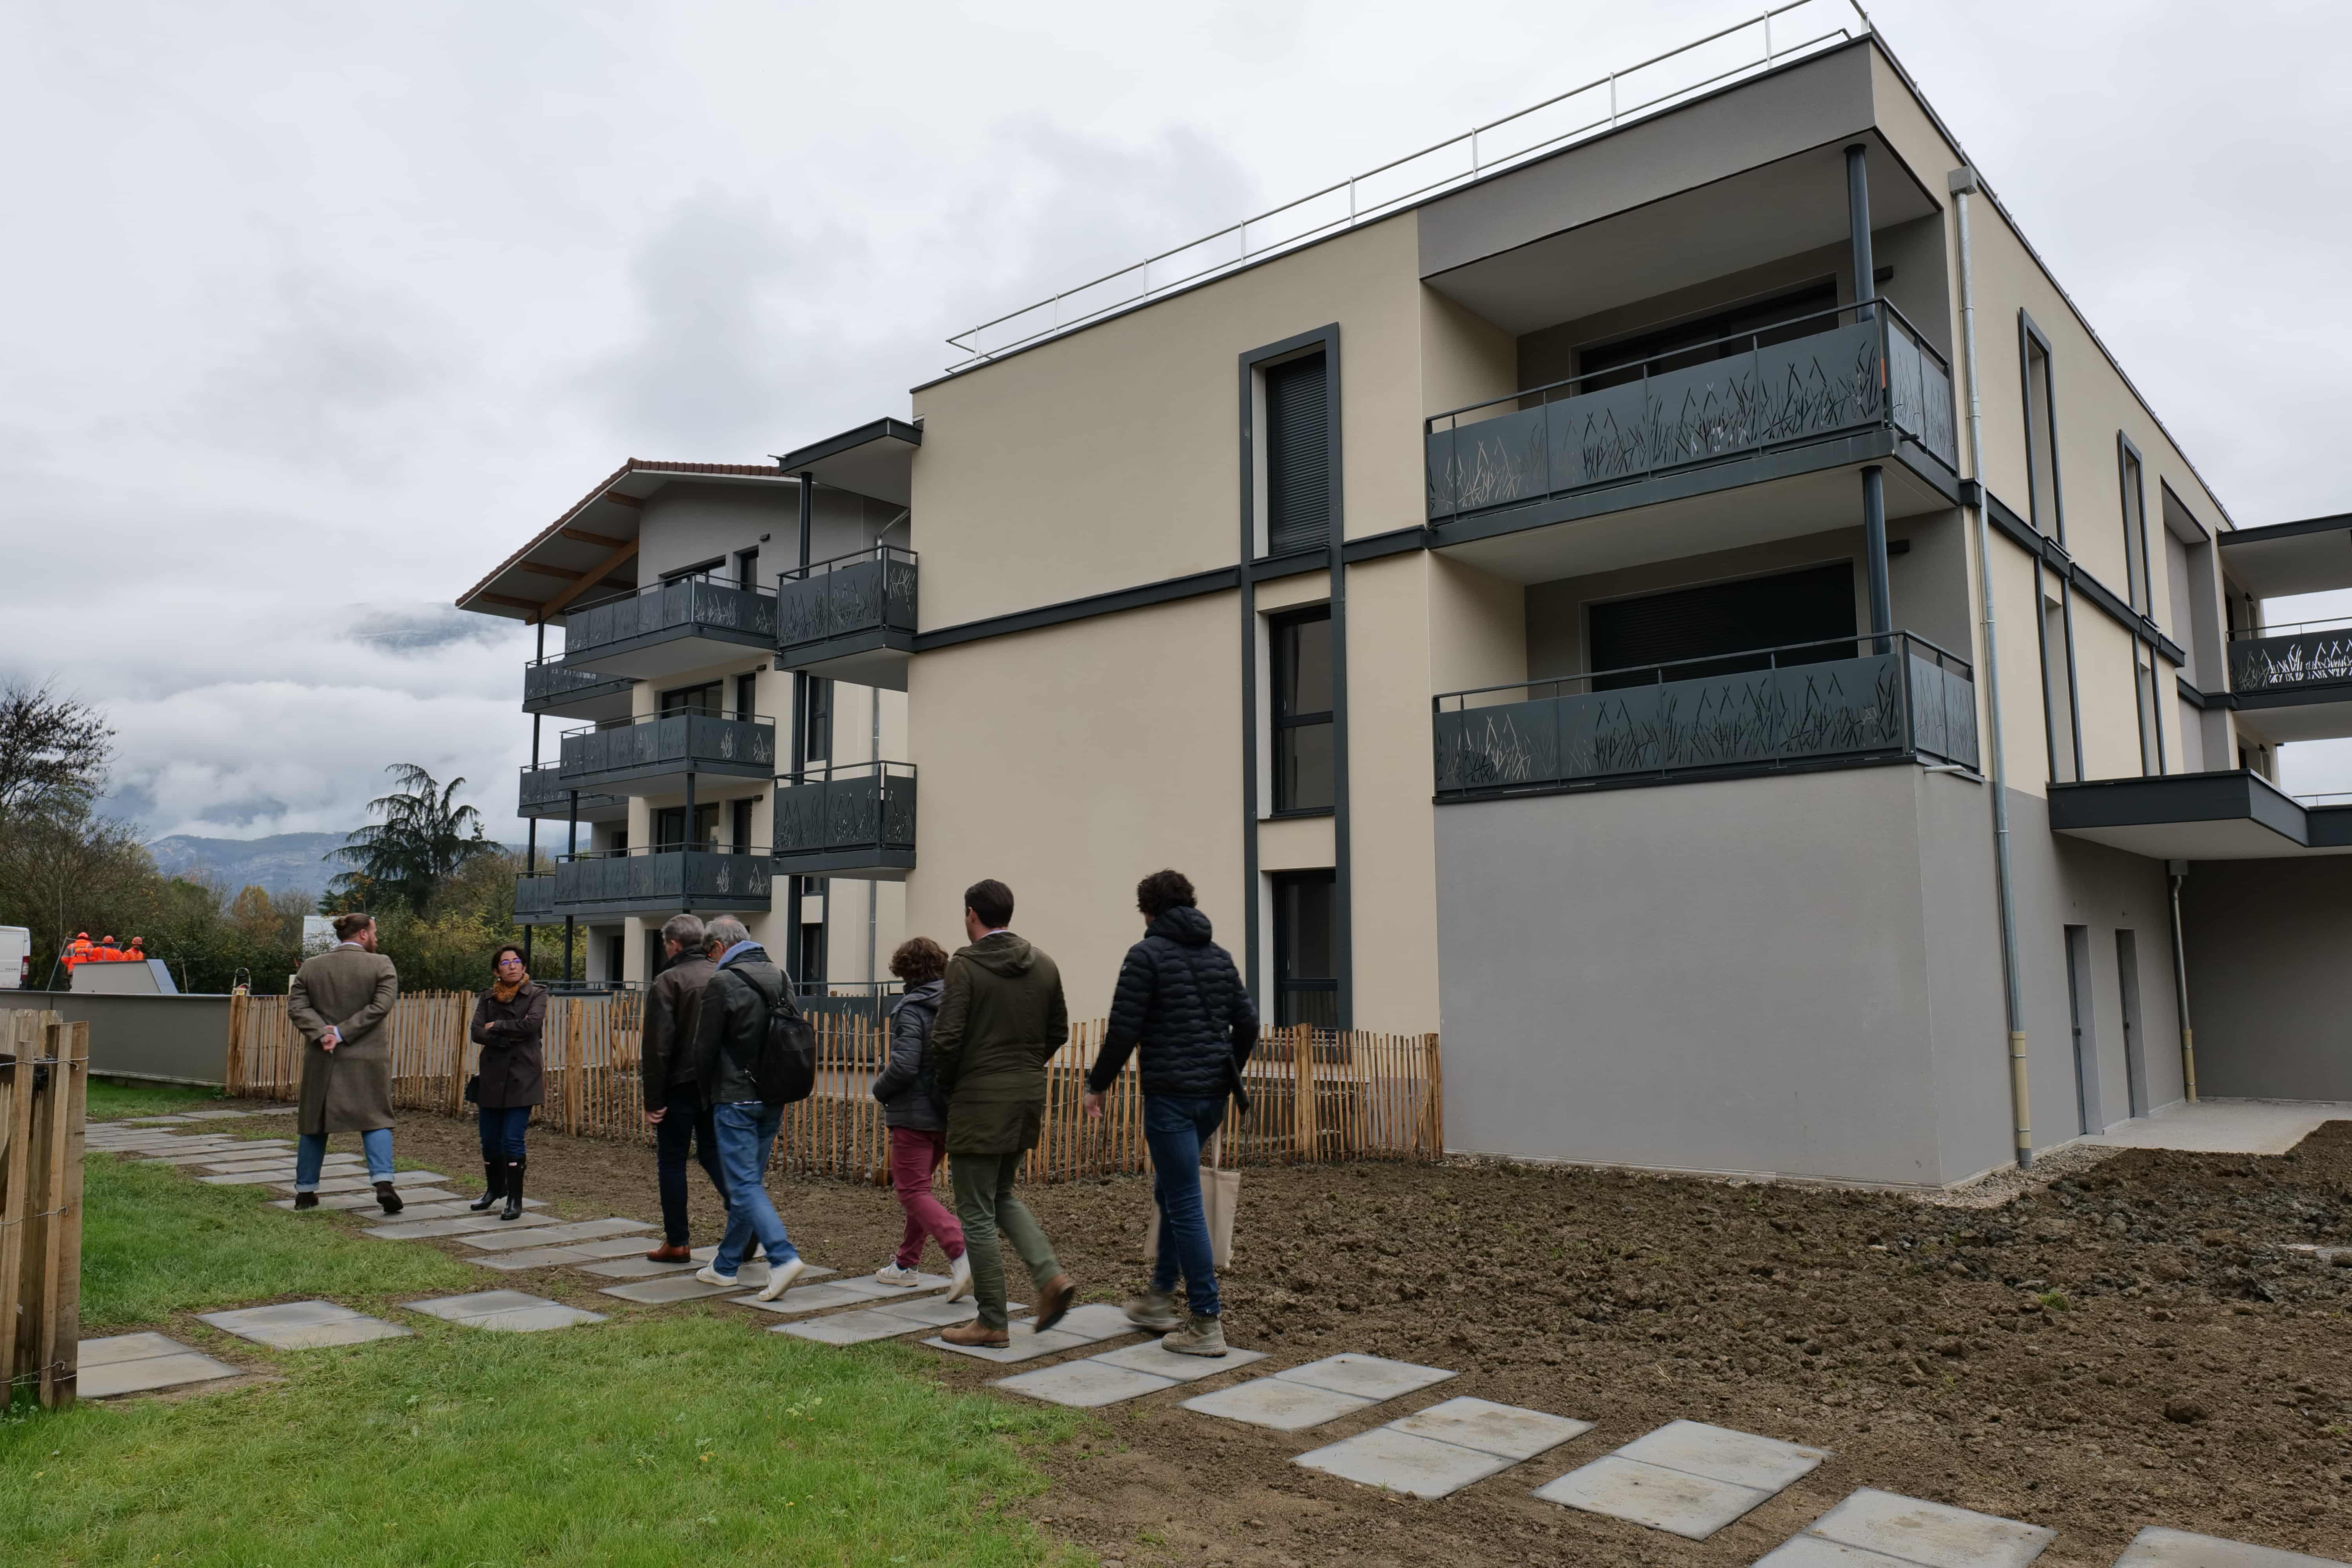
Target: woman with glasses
508	1082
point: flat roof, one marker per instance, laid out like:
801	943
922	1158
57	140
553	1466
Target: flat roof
874	460
2234	815
2307	557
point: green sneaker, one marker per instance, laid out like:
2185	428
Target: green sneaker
1199	1336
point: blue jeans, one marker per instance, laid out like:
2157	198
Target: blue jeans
1174	1128
310	1154
502	1130
747	1130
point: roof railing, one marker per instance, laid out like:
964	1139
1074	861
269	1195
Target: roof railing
1758	44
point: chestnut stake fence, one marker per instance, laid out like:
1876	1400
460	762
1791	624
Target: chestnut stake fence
1316	1097
44	1097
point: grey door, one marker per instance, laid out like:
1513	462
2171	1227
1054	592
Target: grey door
2078	1010
2135	1043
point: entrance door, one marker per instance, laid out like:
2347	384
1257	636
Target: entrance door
2078	1009
2135	1045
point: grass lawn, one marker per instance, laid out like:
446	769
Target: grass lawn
679	1437
112	1099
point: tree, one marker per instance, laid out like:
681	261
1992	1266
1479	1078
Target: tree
54	751
420	844
65	870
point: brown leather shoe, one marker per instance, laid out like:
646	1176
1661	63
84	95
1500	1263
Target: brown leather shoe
387	1198
305	1200
671	1252
974	1334
1054	1301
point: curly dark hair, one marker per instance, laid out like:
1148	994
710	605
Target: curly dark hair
505	948
1162	891
918	960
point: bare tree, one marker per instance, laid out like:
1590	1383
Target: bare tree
54	751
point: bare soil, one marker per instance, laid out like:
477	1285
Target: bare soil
2128	1345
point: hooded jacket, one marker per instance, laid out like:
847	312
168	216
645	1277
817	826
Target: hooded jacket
1001	1017
733	1025
1180	999
908	1089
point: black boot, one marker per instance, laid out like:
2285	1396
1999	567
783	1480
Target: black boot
514	1191
494	1185
387	1198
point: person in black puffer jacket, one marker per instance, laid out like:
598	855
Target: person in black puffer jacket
1180	999
912	1111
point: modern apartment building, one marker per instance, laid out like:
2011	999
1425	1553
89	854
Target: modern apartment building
1686	607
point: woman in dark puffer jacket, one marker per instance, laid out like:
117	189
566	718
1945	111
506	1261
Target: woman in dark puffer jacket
911	1109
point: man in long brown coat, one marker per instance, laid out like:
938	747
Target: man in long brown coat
340	1001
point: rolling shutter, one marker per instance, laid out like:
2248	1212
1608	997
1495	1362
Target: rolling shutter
1728	618
1298	455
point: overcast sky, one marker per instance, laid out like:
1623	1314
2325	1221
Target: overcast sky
314	312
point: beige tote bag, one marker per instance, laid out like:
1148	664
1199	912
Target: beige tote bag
1221	1195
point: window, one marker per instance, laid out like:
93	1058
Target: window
747	696
2058	693
1302	710
817	720
2041	434
1785	609
669	827
697	570
2151	728
615	956
1306	980
1739	324
812	956
740	829
702	699
747	568
2135	527
1298	455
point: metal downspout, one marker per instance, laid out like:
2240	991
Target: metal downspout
1963	182
2180	870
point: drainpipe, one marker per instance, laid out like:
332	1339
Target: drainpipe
2180	870
570	852
1963	183
530	841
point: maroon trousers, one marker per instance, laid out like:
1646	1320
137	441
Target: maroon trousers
914	1156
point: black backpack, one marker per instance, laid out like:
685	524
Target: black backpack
784	1070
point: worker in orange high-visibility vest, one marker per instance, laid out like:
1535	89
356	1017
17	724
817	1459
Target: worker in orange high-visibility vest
79	949
138	953
108	953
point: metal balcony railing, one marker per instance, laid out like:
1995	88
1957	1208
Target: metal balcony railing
1858	697
867	591
683	739
661	877
534	899
687	605
1824	374
847	815
2290	657
545	792
550	682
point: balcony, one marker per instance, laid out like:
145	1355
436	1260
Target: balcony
654	755
551	686
662	879
850	618
686	623
2294	682
535	901
546	795
851	819
1848	372
1775	710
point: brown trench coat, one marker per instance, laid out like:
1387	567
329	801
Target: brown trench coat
350	989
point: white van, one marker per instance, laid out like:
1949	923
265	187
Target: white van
15	958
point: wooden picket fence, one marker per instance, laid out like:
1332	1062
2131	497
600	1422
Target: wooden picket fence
43	1100
1316	1097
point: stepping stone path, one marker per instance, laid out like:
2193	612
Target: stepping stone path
304	1325
1122	1375
515	1311
1874	1529
887	1321
681	1287
354	1184
1302	1396
1445	1448
1090	1324
410	1198
2159	1548
135	1363
1686	1478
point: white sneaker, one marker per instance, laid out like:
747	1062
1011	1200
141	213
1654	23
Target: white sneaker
711	1276
891	1274
963	1286
781	1278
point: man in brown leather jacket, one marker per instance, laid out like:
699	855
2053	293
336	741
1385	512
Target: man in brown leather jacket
674	1102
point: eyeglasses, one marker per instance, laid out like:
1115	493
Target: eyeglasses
509	962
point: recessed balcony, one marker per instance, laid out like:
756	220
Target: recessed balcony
552	687
1707	416
654	755
664	878
546	795
850	618
849	819
1855	700
2295	681
685	623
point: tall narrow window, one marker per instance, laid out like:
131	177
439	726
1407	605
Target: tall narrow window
739	826
2058	692
811	954
817	720
1305	979
2041	435
747	568
1302	710
2134	528
2151	729
1298	455
747	695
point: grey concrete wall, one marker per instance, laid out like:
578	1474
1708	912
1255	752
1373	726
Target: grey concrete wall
183	1039
1737	975
686	523
2269	990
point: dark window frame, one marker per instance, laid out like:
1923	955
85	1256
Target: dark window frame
716	706
816	715
670	820
675	573
2139	580
2031	337
1288	987
1280	658
1262	418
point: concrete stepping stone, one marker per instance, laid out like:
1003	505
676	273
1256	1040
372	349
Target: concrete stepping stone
1401	1462
513	1312
1686	1478
211	1115
360	1182
1509	1431
406	1229
365	1199
640	1267
516	1234
937	1311
1027	1344
1084	1385
1149	1357
680	1288
870	1288
1094	1321
1371	1378
240	1163
135	1363
524	1258
811	1299
2155	1547
851	1328
449	1205
1872	1528
304	1325
1279	1404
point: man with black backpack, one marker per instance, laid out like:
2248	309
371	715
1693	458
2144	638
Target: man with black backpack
754	1054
